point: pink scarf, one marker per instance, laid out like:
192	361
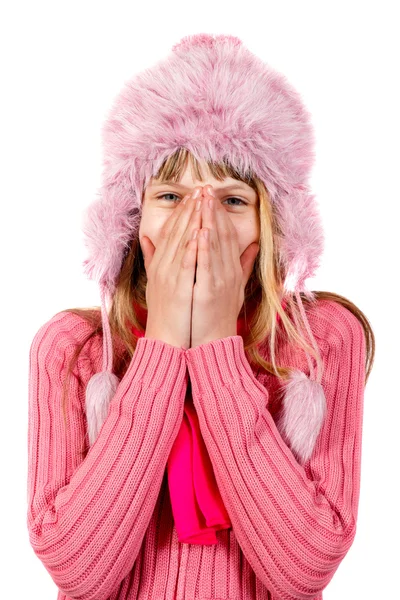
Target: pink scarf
197	506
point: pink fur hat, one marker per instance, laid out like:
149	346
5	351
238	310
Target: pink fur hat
214	97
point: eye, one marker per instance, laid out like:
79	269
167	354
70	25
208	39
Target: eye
161	197
234	198
243	203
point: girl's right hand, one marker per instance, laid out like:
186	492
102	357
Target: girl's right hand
171	269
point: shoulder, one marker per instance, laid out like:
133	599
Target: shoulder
331	320
333	323
59	336
63	326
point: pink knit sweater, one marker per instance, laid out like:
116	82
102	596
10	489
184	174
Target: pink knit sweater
102	525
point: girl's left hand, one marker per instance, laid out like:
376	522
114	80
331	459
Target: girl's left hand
221	275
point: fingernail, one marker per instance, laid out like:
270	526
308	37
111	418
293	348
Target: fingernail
195	232
198	204
196	193
211	191
186	198
211	203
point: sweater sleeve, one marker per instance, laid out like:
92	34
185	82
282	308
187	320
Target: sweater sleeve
294	524
87	517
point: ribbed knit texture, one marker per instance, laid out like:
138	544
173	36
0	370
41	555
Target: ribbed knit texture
102	525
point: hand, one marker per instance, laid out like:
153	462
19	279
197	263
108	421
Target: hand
221	275
170	270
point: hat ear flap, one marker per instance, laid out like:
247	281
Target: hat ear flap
301	238
109	223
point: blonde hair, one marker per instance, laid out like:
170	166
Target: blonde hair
264	288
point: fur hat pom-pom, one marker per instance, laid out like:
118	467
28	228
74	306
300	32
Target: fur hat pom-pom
99	391
302	414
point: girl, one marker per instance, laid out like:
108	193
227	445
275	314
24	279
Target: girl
200	437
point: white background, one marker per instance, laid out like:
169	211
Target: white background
62	64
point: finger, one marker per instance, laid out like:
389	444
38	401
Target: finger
204	273
223	230
187	270
148	250
217	251
177	231
225	226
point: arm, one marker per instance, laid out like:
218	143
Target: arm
87	519
294	524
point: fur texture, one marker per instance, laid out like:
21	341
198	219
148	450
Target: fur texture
100	390
214	97
302	415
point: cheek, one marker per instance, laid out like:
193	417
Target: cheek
151	224
247	230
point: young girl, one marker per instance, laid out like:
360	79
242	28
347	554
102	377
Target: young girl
200	436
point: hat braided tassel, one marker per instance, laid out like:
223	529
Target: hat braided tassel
304	402
102	386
